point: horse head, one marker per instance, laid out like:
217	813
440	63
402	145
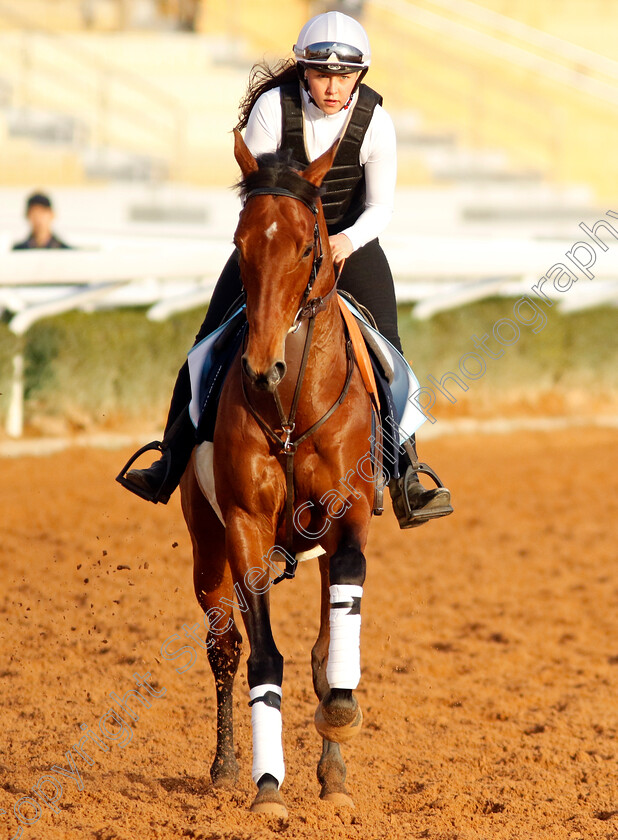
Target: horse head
283	249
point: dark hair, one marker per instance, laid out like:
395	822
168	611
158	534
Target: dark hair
262	78
38	200
278	170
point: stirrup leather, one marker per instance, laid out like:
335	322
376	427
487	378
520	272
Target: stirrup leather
154	446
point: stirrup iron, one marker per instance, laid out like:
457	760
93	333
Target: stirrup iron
121	478
420	467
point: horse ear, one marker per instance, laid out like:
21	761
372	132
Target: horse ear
316	170
244	158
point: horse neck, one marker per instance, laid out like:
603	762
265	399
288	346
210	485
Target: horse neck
327	351
328	329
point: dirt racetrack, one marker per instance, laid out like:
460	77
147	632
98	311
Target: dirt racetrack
489	651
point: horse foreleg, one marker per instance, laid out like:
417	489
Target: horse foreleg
246	547
223	656
319	652
331	767
212	582
338	716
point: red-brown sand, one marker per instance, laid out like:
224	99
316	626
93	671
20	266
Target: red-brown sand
489	653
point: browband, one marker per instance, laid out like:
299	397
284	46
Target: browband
281	191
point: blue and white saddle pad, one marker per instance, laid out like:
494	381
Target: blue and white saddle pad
401	379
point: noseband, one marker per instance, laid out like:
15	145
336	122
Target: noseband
309	308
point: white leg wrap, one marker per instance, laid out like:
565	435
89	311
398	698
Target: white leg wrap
266	726
343	669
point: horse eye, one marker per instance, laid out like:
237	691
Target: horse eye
307	251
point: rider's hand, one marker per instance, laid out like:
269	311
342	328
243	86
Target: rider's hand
341	247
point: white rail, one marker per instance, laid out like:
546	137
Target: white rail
434	273
43	267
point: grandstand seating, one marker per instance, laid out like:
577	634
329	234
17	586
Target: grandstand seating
502	85
466	111
590	23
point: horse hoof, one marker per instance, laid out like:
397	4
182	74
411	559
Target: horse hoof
338	799
224	775
270	809
224	782
329	727
269	802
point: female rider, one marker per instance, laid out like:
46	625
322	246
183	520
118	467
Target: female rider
304	106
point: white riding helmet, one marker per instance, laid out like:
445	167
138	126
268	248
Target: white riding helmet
333	43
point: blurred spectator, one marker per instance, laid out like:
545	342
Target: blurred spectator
40	214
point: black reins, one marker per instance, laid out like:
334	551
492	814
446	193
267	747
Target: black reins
308	310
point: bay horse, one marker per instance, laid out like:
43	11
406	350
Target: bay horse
274	438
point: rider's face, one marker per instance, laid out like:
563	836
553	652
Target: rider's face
330	92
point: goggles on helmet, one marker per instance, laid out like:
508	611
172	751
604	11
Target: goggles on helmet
331	55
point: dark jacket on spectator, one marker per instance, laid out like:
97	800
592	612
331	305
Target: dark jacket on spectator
29	243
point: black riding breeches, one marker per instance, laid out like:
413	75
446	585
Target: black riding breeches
366	275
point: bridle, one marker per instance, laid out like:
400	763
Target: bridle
318	252
308	310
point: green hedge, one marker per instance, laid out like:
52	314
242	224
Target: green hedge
579	350
98	368
106	367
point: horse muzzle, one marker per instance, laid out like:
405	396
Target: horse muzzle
266	380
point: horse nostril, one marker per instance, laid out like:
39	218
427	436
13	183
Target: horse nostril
280	368
267	381
248	369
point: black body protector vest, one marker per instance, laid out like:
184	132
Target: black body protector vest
344	197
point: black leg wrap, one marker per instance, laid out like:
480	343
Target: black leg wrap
348	565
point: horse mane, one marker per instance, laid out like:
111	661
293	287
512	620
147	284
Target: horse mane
279	170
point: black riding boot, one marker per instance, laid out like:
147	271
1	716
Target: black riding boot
158	482
413	505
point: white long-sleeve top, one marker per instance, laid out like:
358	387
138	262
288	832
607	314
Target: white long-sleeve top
378	153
